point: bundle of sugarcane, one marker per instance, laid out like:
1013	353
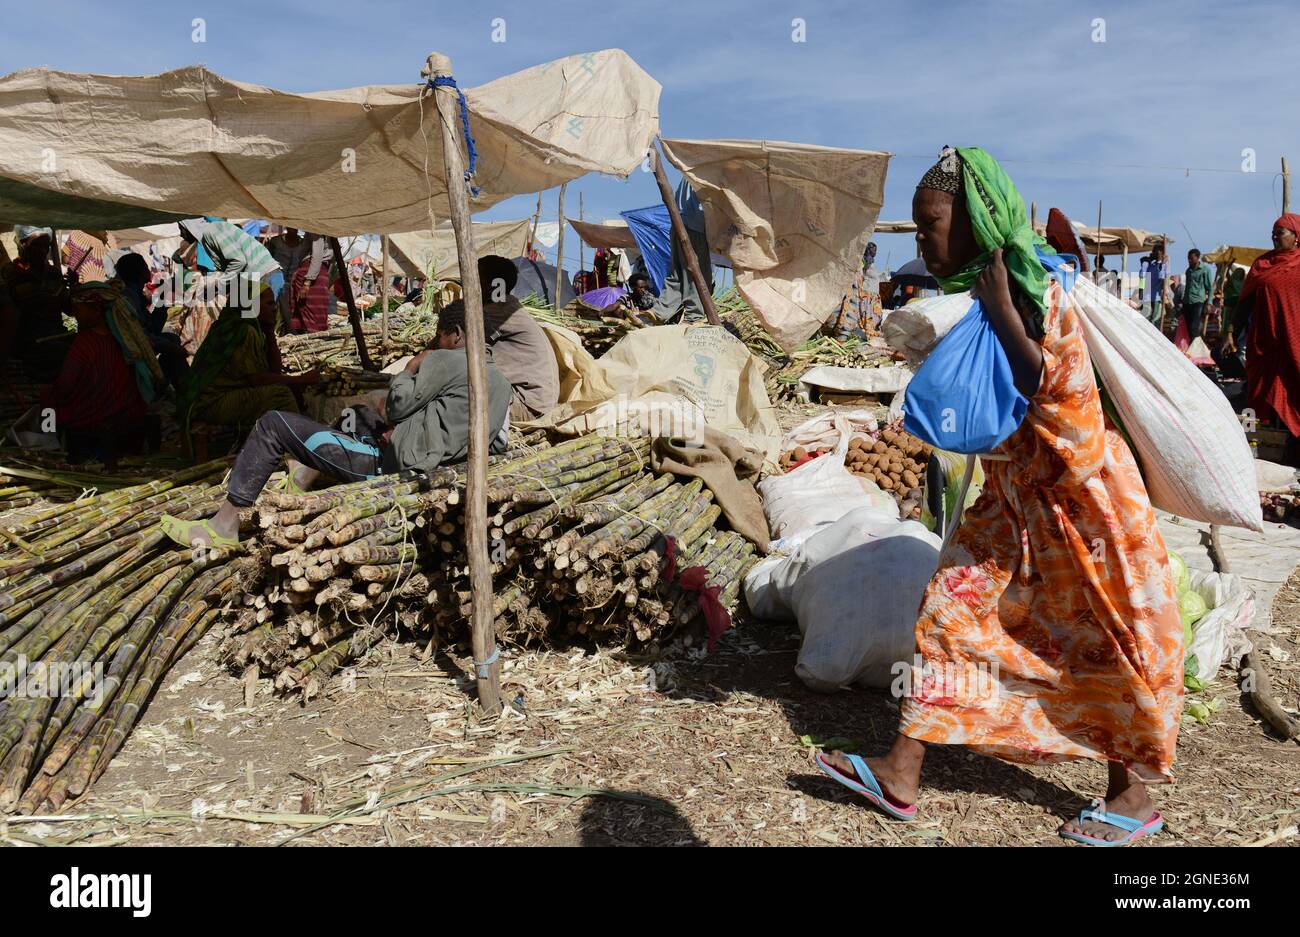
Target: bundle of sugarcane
581	533
95	606
344	382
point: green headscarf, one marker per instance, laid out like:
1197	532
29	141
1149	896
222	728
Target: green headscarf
997	215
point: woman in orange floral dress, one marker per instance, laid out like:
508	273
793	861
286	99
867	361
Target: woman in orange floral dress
1050	630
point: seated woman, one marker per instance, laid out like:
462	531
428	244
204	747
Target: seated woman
428	405
237	375
101	396
133	271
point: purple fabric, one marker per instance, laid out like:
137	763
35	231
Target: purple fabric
603	296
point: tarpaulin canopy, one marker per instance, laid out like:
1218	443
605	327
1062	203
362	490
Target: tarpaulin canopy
415	253
653	230
96	151
605	234
1114	240
793	218
895	227
1232	254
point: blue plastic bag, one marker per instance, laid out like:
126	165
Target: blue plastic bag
964	398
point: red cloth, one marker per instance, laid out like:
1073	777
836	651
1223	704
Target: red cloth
309	309
670	559
95	385
1273	343
715	615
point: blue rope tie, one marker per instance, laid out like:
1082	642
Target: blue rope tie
449	82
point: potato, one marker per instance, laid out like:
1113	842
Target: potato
909	478
886	482
880	447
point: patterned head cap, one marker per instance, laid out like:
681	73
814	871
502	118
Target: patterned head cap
945	175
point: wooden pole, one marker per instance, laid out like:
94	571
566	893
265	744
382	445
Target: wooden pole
487	665
1123	268
537	219
559	253
1097	263
1286	187
683	239
354	314
383	296
582	263
1033	216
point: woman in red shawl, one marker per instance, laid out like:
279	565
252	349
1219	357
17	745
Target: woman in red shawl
1270	297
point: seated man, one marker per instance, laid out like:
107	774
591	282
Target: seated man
33	331
133	271
98	405
639	297
427	405
519	346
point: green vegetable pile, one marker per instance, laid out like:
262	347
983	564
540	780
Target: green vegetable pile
1192	607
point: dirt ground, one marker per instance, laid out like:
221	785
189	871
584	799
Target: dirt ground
597	749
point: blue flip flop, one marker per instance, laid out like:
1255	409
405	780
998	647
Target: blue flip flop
867	785
1136	829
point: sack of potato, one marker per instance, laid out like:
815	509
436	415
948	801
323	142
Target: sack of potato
896	462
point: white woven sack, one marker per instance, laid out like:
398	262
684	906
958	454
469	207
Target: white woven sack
1193	452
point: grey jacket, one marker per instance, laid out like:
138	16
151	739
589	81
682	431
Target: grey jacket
430	410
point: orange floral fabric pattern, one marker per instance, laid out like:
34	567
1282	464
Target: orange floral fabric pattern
1056	591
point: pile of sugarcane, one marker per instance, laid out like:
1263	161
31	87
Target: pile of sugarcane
785	370
345	382
337	348
95	607
586	541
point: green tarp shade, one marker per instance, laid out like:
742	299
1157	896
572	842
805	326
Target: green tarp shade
21	203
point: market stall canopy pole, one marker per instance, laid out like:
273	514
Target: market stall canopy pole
354	314
559	249
487	663
1286	187
109	152
383	297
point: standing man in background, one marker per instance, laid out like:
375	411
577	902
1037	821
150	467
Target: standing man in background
679	293
1198	286
1157	270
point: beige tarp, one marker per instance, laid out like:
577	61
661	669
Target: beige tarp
1113	240
794	219
113	152
605	234
673	378
895	227
412	253
1236	255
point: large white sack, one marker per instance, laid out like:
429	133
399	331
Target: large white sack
820	491
855	588
916	328
1193	452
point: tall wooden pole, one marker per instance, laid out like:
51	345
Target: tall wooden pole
1286	187
582	262
559	253
1123	270
683	238
537	219
1098	261
354	314
383	296
1033	217
487	664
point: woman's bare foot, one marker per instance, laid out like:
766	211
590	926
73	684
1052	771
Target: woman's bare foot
1125	797
898	772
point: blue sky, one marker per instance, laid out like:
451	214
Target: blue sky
1177	85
